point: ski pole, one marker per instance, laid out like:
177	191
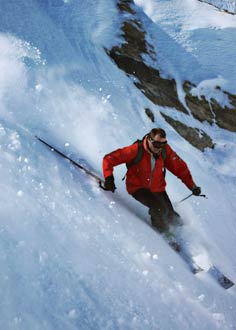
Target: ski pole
77	164
185	198
202	195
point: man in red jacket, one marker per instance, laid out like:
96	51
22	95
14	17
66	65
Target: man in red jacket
145	179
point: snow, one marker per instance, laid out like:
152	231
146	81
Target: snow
73	256
202	35
228	5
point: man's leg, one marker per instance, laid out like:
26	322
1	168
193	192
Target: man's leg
158	204
170	215
165	204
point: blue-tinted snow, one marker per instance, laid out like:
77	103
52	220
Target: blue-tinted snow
71	255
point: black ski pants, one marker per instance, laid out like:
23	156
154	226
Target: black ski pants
160	208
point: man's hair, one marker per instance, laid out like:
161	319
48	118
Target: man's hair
157	131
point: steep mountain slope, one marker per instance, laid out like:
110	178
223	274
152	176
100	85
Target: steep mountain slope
226	5
73	256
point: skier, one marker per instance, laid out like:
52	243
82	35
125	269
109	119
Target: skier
145	179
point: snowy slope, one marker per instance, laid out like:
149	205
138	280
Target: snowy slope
227	5
73	256
206	35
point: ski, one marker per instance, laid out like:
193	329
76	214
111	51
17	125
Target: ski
176	246
213	271
223	280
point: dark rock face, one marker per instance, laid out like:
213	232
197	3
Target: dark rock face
199	107
198	138
150	114
162	91
159	90
128	58
211	111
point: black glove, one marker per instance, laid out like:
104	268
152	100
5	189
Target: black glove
109	183
196	191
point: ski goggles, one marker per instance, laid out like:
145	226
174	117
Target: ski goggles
157	144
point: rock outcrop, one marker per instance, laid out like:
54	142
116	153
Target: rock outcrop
211	111
129	57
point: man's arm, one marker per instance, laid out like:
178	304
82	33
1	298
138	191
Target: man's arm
179	168
117	157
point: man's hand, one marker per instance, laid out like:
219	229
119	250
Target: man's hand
196	191
109	183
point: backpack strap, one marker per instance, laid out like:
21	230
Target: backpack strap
137	158
139	155
163	153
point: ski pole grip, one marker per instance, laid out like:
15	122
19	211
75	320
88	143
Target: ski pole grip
202	195
101	185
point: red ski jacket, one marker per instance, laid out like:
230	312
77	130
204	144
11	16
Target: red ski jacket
143	174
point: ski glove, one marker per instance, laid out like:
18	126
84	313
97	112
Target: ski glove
196	191
109	183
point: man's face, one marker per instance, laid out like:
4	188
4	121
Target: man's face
156	143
